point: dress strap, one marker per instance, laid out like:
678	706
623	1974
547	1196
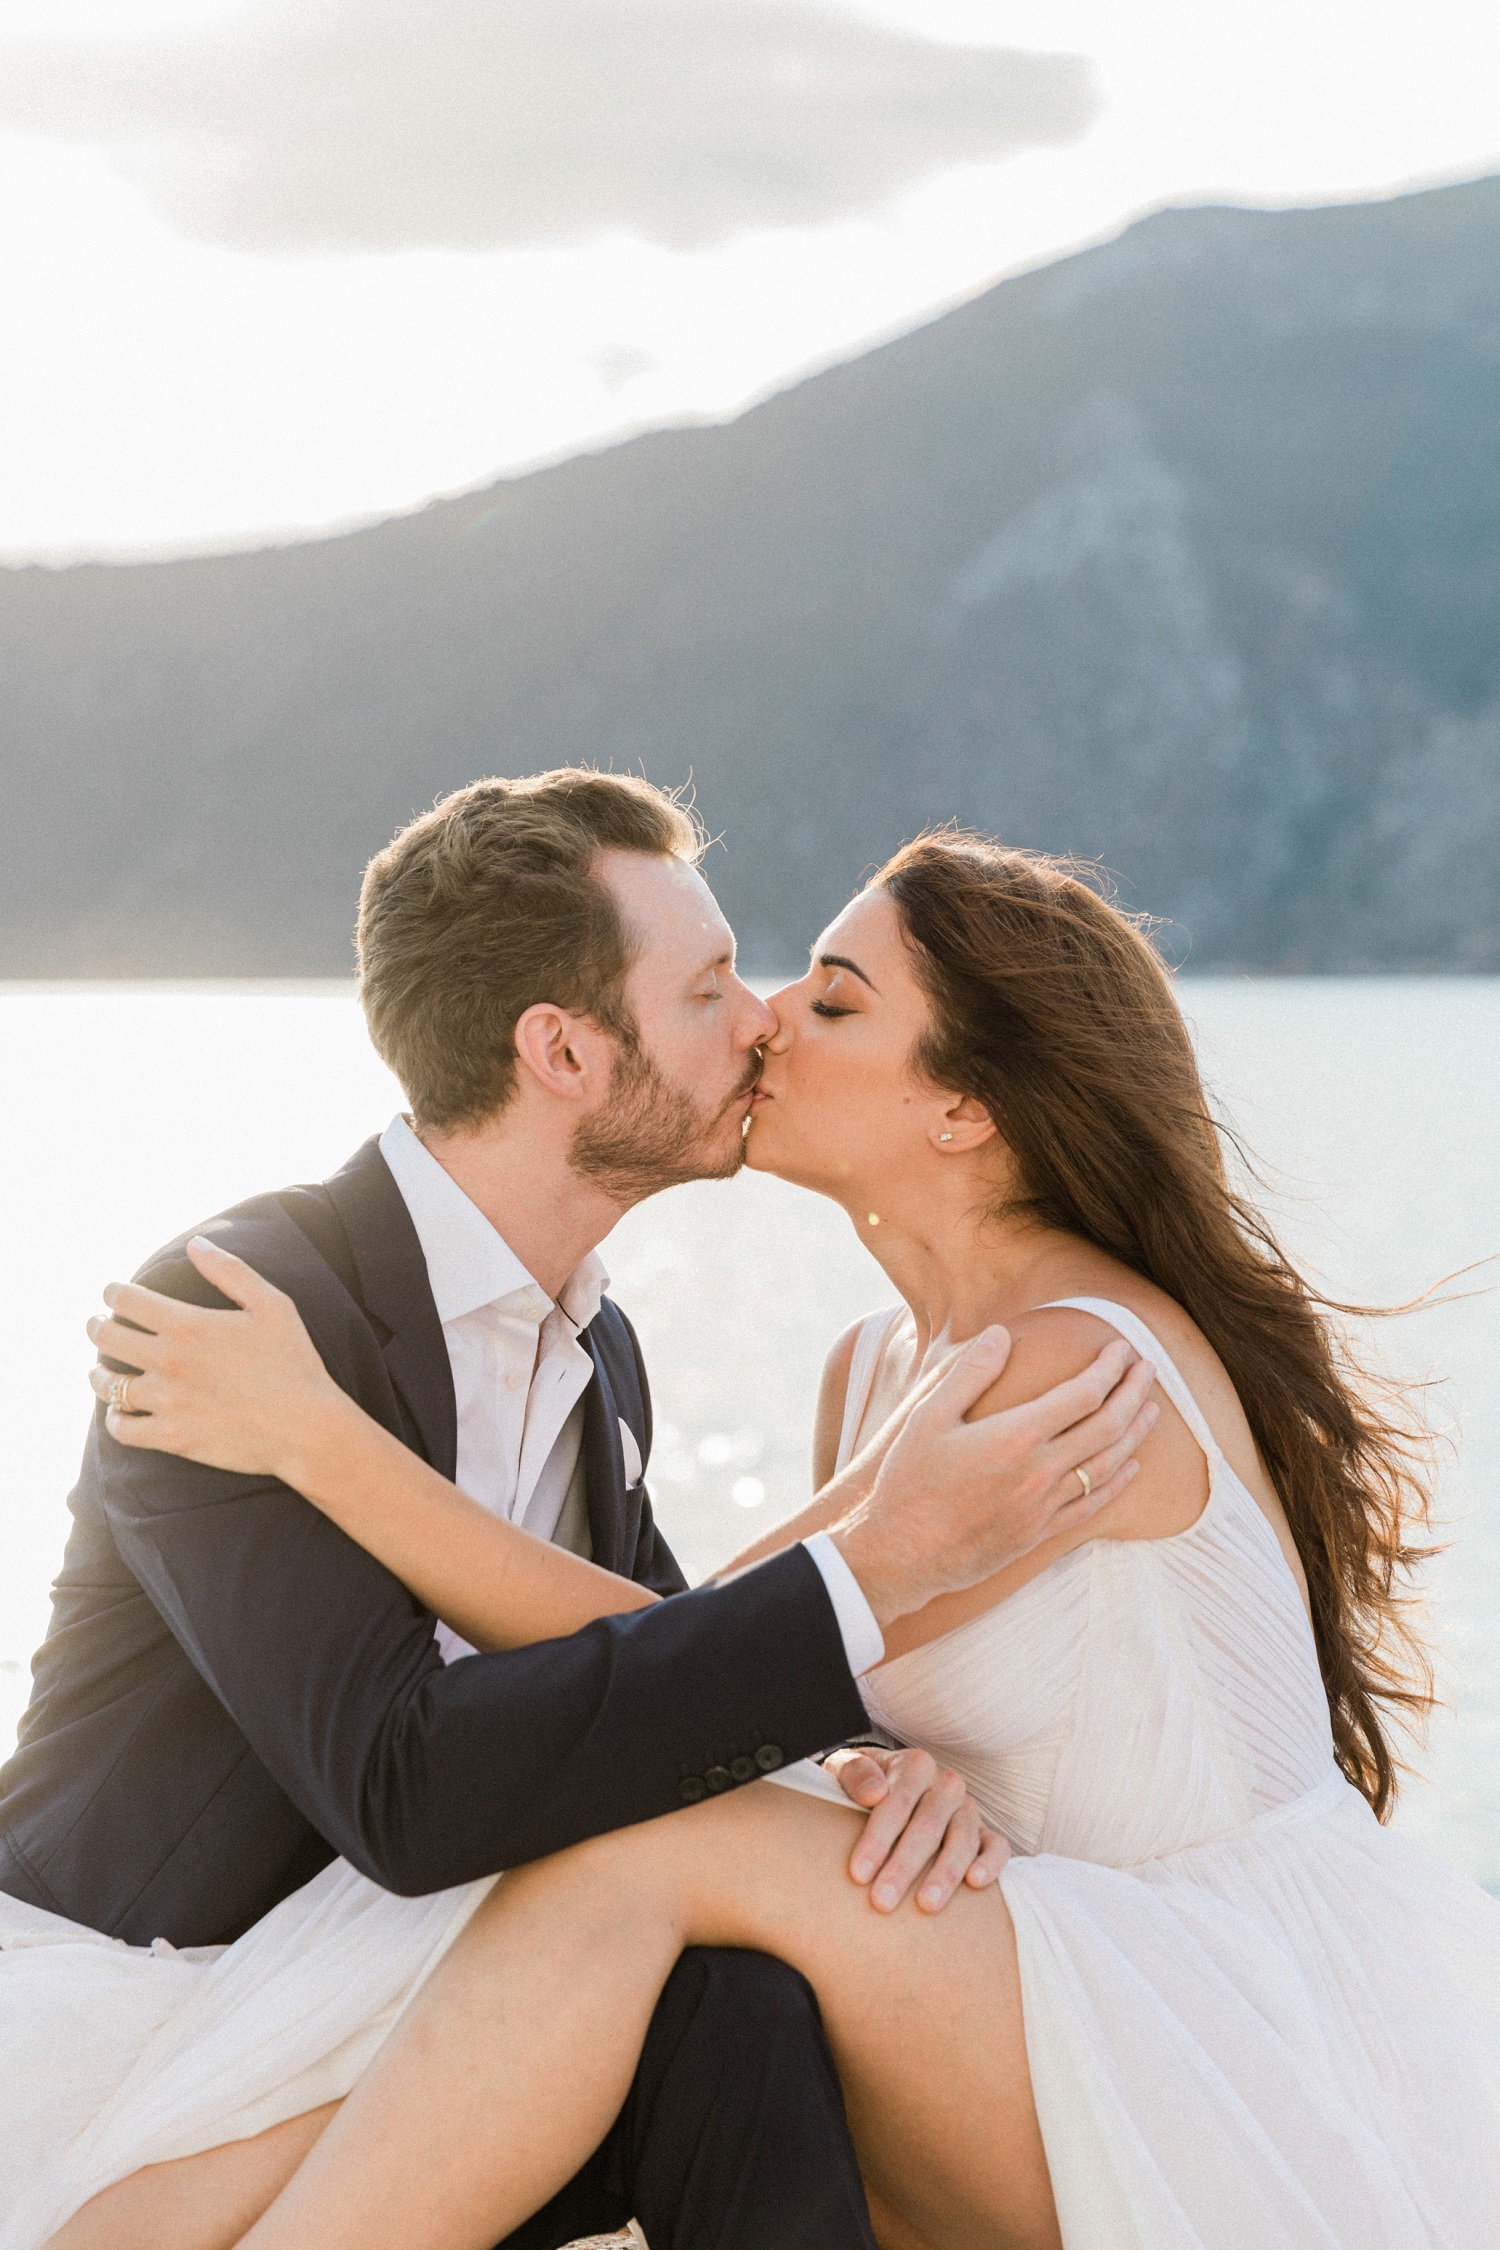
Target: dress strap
1135	1331
868	1345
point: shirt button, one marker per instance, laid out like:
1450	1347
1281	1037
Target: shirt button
742	1769
514	1379
691	1790
717	1778
769	1756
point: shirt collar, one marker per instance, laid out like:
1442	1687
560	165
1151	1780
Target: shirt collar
469	1263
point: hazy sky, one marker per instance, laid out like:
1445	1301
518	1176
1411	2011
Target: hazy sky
276	264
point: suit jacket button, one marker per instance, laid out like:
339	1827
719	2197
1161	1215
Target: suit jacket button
743	1769
769	1756
691	1790
717	1778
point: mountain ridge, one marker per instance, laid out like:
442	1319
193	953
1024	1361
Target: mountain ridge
1181	553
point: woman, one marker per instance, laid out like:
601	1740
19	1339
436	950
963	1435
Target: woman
1217	2003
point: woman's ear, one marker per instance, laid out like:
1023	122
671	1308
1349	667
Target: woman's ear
965	1124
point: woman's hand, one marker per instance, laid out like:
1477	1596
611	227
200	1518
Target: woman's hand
245	1390
242	1390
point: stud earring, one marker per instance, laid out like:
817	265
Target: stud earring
945	1136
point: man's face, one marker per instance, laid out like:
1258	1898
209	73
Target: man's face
681	1092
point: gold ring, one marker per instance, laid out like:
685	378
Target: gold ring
1085	1480
119	1394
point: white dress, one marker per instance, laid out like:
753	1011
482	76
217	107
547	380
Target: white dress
1255	2019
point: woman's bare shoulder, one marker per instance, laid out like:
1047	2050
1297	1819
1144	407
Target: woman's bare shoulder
1178	1335
1057	1338
833	1390
1052	1343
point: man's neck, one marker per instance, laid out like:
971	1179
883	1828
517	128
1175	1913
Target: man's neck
529	1193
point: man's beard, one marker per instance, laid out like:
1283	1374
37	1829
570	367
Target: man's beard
651	1134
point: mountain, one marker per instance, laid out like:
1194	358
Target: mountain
1183	553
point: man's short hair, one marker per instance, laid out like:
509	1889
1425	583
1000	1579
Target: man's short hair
487	906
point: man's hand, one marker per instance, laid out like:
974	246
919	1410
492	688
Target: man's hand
953	1502
919	1813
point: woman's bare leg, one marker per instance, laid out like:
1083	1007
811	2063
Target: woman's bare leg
198	2202
512	2063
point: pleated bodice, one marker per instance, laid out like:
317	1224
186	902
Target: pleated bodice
1140	1696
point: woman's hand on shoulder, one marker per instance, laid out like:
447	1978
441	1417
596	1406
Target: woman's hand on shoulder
236	1389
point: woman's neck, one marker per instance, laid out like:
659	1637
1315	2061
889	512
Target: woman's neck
957	1271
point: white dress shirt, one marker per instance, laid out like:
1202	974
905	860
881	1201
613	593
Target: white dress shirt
519	1375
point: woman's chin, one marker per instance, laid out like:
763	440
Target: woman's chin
778	1154
759	1154
769	1150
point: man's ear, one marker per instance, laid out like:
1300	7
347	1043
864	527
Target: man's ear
565	1055
965	1123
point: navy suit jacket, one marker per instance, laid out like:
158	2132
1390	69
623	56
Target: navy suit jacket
232	1692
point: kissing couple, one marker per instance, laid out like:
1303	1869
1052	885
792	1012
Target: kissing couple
365	1604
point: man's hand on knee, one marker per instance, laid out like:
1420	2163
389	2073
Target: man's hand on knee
923	1826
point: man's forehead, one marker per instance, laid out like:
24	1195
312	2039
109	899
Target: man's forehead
705	918
670	907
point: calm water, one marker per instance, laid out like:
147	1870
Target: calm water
130	1112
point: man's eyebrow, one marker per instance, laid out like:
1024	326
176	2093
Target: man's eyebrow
842	961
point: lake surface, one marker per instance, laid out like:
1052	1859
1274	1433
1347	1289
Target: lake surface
131	1111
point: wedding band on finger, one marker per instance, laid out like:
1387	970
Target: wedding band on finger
1086	1481
119	1394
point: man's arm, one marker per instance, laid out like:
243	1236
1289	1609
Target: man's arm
949	1504
425	1775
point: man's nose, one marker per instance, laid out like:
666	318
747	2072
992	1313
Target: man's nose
762	1023
779	1037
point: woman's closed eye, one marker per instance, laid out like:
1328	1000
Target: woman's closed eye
822	1008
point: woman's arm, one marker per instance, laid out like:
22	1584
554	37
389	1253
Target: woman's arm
496	1585
246	1391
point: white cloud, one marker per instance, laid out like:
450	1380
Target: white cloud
619	364
167	393
379	125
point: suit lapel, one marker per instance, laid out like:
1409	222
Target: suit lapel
396	1291
613	1521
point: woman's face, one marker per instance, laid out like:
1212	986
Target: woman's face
839	1108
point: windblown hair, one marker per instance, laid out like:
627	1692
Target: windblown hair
1054	1009
487	906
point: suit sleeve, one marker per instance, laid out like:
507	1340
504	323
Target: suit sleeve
422	1775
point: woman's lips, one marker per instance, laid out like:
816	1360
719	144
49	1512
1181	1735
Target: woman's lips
758	1095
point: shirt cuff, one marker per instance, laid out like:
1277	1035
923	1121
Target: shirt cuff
864	1643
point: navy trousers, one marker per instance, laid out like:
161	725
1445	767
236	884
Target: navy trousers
733	2136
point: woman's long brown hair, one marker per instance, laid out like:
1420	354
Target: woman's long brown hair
1054	1009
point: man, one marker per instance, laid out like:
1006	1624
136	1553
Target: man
232	1693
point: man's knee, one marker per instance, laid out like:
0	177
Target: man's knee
768	2003
757	1983
736	2118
